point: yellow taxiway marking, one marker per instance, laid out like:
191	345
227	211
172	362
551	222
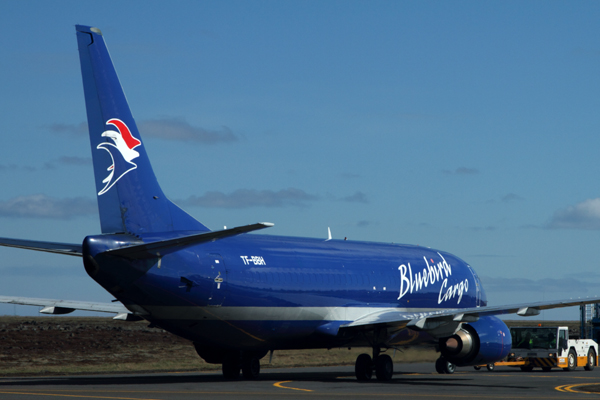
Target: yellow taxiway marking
570	388
70	395
280	385
271	394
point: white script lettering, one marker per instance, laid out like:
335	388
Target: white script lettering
430	275
452	291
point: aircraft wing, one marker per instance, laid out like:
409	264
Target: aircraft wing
433	319
50	247
67	306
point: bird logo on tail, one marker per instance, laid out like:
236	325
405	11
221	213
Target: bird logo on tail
121	152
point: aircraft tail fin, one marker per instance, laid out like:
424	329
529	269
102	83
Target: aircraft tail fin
129	196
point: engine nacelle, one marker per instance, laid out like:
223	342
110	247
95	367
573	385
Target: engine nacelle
486	341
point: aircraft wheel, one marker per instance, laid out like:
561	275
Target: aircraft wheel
363	369
231	367
571	361
442	366
384	368
250	367
591	360
490	367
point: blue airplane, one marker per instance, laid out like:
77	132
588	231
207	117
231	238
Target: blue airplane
238	296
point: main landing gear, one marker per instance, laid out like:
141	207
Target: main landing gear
249	364
233	361
443	366
380	363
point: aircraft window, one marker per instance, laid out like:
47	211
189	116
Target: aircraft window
563	334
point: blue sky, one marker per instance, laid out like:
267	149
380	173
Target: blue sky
466	126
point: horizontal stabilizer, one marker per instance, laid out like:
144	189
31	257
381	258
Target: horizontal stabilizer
50	247
63	305
162	247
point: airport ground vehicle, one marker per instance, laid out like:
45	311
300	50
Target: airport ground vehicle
550	347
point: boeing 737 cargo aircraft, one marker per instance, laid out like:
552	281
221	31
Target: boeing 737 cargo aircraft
237	296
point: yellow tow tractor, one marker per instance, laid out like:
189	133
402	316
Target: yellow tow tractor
547	348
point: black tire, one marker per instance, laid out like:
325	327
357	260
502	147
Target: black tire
443	366
591	360
490	367
384	368
363	369
439	365
571	361
250	367
526	368
231	367
546	369
477	367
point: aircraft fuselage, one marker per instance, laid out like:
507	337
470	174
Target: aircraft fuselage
272	292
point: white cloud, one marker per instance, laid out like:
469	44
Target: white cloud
462	171
14	167
70	129
584	215
163	128
511	197
358	197
245	198
365	223
68	161
42	206
180	129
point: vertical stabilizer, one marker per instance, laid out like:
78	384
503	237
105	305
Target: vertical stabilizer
129	197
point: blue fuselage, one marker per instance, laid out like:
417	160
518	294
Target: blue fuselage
255	291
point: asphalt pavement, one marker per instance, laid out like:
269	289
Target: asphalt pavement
410	380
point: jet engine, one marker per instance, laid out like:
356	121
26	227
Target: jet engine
482	342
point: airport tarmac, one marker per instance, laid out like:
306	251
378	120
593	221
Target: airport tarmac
410	380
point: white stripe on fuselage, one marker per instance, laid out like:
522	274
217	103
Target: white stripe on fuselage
278	313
